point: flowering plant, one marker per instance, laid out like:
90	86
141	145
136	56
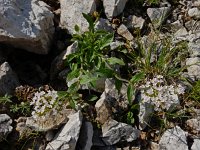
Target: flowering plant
45	104
162	96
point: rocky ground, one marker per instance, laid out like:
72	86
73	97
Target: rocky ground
44	105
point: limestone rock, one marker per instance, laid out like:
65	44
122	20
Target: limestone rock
71	13
67	137
103	108
121	96
194	12
174	138
136	22
58	63
24	131
8	79
104	24
145	112
194	125
85	138
124	32
114	132
196	145
157	15
194	49
5	126
113	7
26	24
194	69
46	124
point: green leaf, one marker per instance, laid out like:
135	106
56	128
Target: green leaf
92	98
106	40
73	74
118	85
130	93
114	60
76	27
90	21
85	79
137	77
72	104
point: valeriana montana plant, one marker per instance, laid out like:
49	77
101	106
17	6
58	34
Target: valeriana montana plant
161	96
46	103
161	57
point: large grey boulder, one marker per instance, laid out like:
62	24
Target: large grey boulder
8	79
26	24
5	126
174	138
114	132
71	13
67	137
113	7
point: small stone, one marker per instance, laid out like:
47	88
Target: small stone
181	34
103	108
5	126
154	146
124	32
196	144
49	135
8	79
194	67
121	96
71	13
174	138
158	15
114	132
194	49
52	122
58	63
194	12
194	125
104	24
24	131
113	8
145	113
67	137
85	138
136	22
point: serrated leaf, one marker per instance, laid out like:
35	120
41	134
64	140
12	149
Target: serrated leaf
114	60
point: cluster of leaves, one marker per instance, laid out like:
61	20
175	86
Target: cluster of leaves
22	108
157	59
195	92
91	61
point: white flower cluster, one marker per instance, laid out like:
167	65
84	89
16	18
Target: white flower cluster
160	95
45	104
